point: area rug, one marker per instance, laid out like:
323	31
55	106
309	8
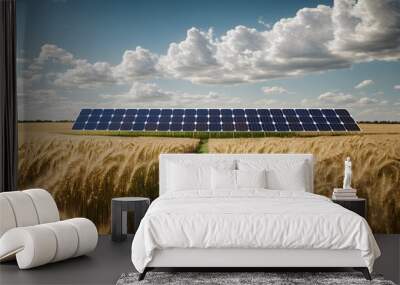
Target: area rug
244	278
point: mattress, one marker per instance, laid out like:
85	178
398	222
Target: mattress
250	219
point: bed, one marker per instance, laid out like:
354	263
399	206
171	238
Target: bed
246	211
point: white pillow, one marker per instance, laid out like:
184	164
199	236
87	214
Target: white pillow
282	174
251	178
181	177
223	179
193	174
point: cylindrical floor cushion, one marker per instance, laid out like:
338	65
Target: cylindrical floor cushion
30	230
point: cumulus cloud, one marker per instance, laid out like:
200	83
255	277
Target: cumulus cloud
314	40
364	83
274	90
138	63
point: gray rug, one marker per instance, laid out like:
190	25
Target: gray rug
269	278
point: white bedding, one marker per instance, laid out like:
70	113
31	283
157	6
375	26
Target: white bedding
250	219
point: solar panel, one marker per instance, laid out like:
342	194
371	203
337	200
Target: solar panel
216	120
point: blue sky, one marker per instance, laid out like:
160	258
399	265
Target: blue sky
75	54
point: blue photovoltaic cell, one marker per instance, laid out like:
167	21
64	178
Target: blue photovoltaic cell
351	127
337	127
126	126
333	120
282	127
178	112
201	127
214	112
228	127
279	119
114	126
202	112
266	119
240	119
190	112
78	126
154	112
214	120
263	112
320	120
215	127
268	127
81	119
227	120
347	120
202	119
238	112
289	112
323	127
302	112
131	112
294	127
251	112
315	112
306	120
166	112
226	112
143	112
310	127
342	112
255	127
253	120
188	127
176	127
292	119
150	127
108	112
102	126
96	112
328	112
189	120
90	126
152	119
241	127
276	112
164	119
138	126
119	112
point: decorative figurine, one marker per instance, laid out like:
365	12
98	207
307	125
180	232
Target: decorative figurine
347	174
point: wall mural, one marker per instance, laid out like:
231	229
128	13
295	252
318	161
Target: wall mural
205	54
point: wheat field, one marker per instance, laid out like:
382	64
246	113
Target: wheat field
83	173
376	167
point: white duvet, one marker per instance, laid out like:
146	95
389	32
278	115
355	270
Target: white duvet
250	219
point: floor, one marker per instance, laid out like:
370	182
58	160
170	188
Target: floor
110	260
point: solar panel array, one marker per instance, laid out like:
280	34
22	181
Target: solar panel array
216	120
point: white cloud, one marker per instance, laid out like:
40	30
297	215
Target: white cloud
340	99
138	63
274	90
314	40
396	87
364	83
86	75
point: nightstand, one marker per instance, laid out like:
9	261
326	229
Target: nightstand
357	205
119	208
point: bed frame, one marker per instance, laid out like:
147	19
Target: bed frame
242	259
